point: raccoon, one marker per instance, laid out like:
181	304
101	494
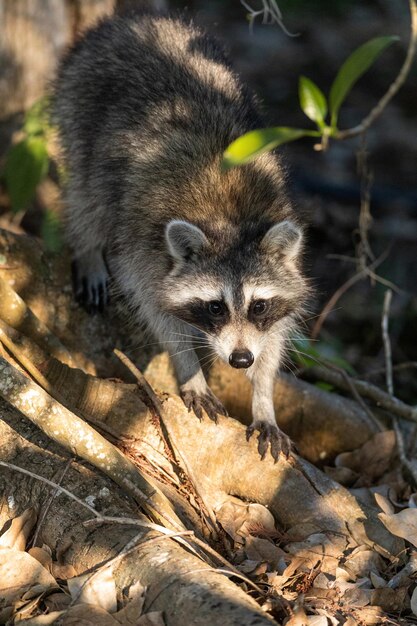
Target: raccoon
146	106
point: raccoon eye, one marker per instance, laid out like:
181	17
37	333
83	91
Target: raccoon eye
215	308
259	307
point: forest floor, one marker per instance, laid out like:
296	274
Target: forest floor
328	537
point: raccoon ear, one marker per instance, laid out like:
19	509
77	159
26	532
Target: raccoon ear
284	237
184	239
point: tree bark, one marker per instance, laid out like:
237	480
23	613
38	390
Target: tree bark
178	583
34	35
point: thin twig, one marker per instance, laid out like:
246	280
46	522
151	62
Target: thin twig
99	518
329	374
236	573
358	398
59	488
330	304
365	218
387	342
270	13
51	498
349	386
395	368
129	548
390	386
199	542
161	414
393	88
160	411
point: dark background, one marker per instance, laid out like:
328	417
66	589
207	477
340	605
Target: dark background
327	185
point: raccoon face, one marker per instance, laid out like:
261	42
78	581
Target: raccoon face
236	295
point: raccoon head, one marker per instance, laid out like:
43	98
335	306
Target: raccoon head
237	289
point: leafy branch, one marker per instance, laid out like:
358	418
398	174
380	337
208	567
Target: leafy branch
324	112
27	164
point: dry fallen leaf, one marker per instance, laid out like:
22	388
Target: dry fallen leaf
43	620
151	619
373	459
240	519
402	524
96	588
317	620
362	561
377	581
248	566
384	503
258	549
131	613
258	518
231	516
342	475
87	615
42	556
390	600
299	616
59	601
136	590
369	615
64	571
21	576
320	547
403	577
17	534
322	581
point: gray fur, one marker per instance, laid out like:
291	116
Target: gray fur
146	106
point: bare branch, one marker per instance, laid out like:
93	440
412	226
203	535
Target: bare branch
390	386
330	304
393	88
381	398
271	14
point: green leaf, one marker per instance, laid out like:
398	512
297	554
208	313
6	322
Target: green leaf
26	165
254	143
312	100
51	232
37	118
324	386
353	68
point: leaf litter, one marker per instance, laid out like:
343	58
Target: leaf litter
30	594
323	579
311	578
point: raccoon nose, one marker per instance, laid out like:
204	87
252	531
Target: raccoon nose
240	359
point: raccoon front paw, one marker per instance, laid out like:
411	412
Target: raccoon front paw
197	402
90	286
272	435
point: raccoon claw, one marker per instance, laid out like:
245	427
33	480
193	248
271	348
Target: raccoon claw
270	434
207	401
90	289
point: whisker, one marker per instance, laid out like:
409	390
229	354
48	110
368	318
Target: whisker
313	317
208	360
308	356
181	352
134	349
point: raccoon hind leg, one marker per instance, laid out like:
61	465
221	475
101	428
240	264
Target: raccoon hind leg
90	279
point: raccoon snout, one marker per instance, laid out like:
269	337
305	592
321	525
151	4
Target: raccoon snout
241	358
